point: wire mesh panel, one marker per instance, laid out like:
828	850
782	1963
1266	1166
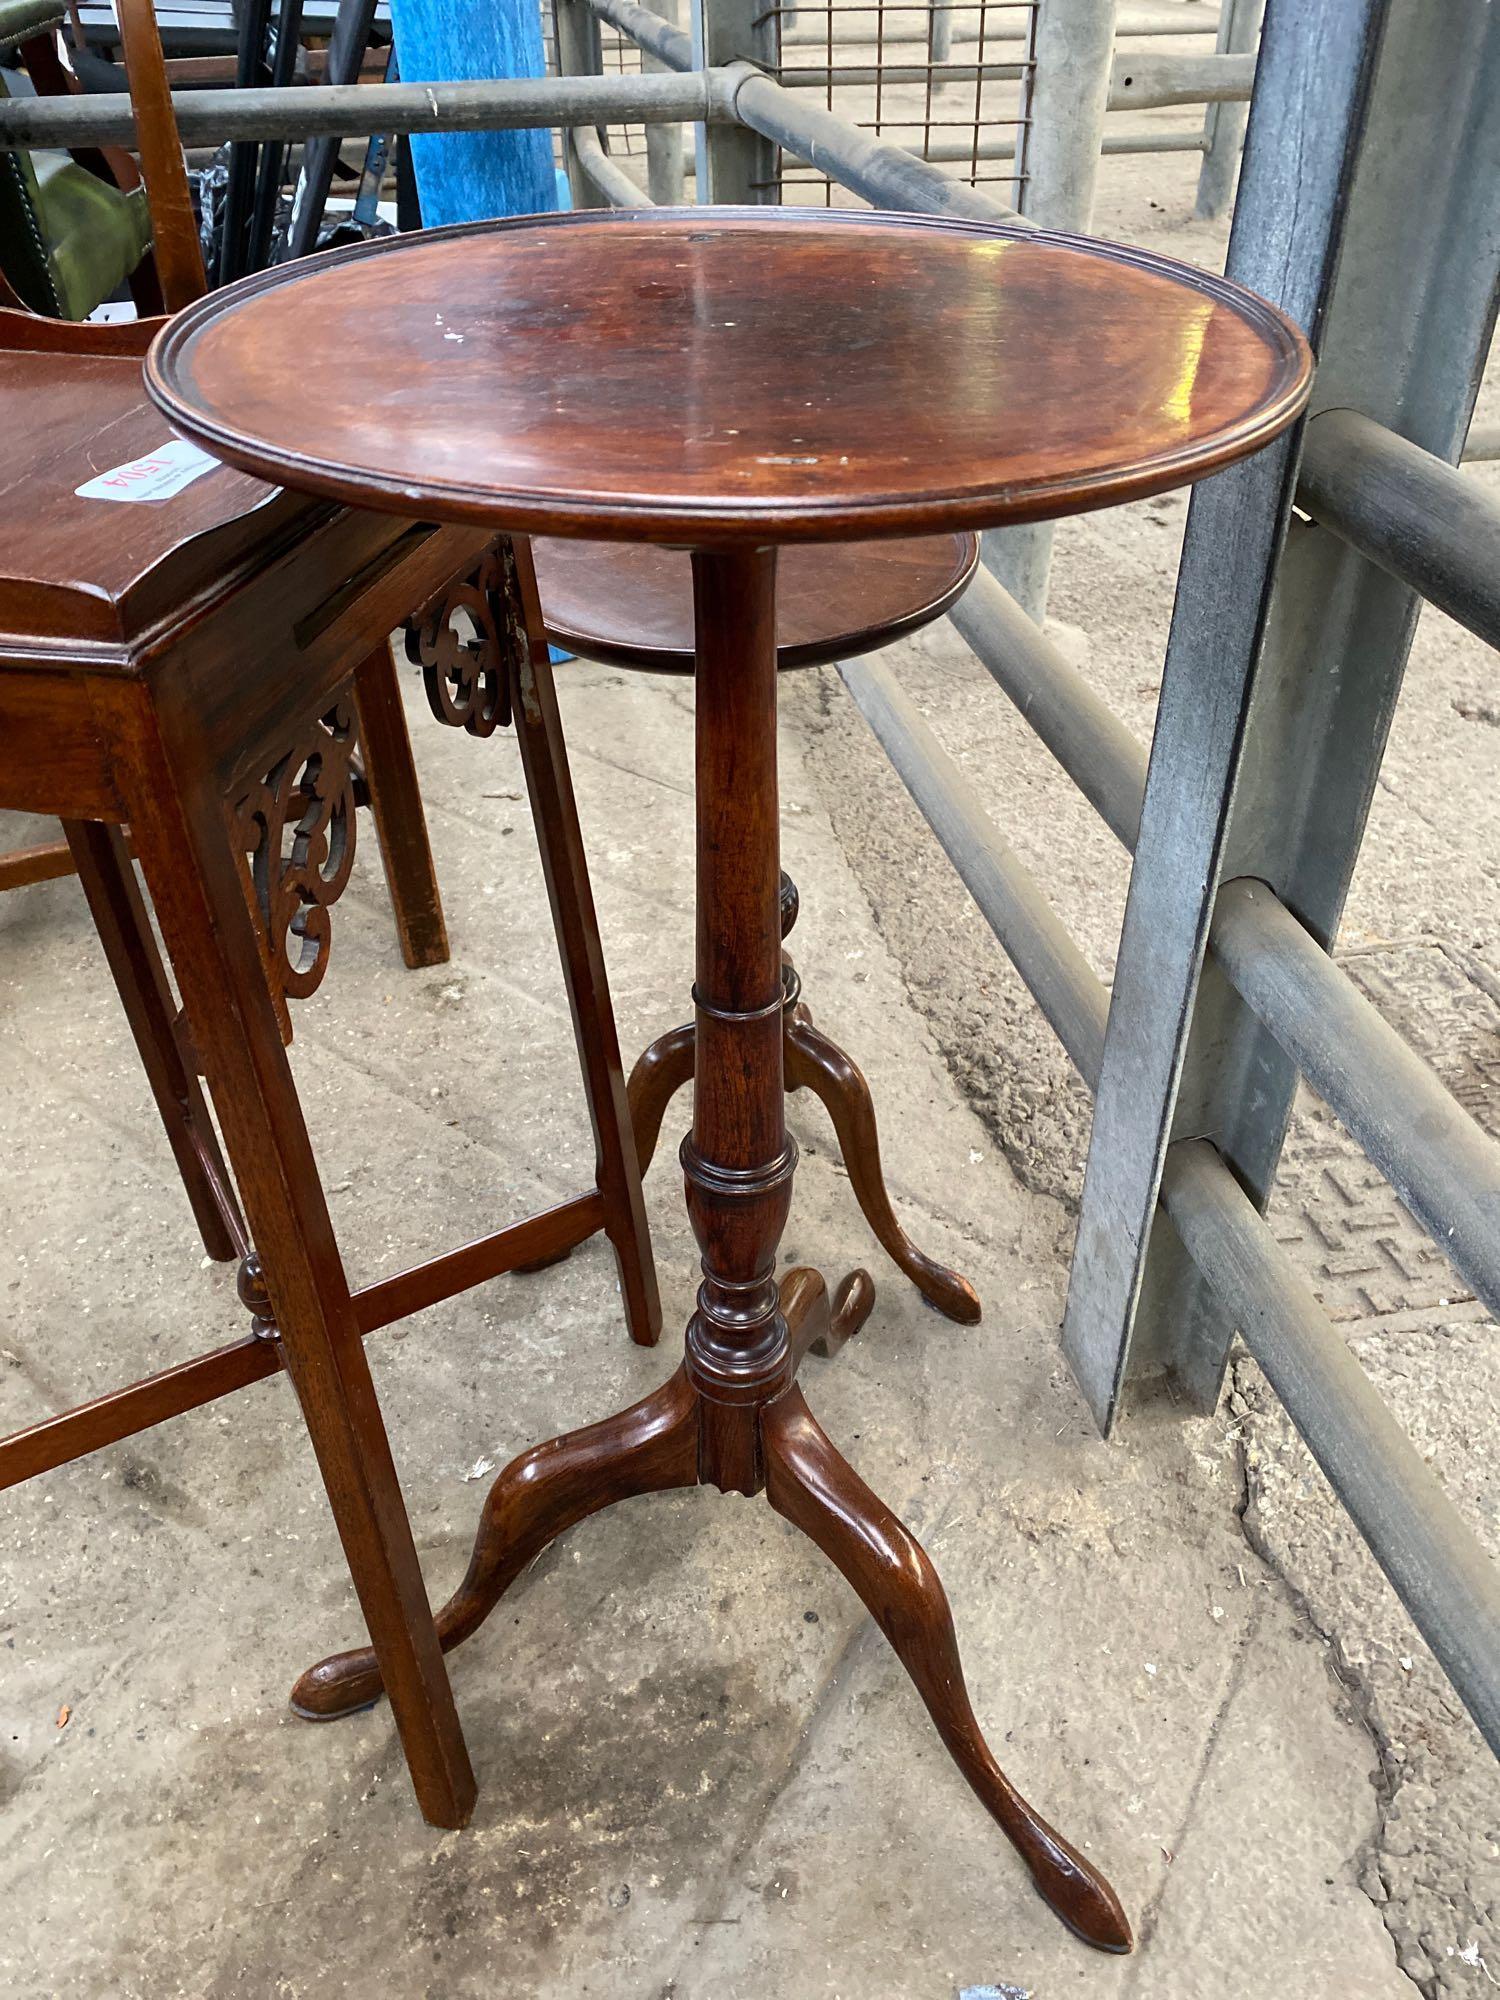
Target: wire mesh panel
619	56
552	65
622	57
949	83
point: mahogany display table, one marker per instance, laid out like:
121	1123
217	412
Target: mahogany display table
731	381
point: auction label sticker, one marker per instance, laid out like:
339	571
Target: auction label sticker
157	476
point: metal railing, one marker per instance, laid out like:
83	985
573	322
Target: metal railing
963	96
348	111
1288	643
1073	52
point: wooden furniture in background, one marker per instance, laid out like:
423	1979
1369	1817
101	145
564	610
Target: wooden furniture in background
686	378
199	669
92	407
74	227
83	430
632	606
388	781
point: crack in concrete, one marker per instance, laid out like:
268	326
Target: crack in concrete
1146	1927
863	1634
1360	1695
47	1386
588	755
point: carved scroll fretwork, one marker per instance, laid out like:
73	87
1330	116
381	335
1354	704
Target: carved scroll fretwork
296	827
463	644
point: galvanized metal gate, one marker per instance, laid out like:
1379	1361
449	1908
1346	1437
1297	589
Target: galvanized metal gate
1282	674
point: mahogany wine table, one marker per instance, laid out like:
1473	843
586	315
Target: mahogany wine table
731	381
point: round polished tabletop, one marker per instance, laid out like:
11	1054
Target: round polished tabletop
717	376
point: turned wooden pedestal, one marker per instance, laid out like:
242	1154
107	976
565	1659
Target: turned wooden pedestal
734	381
631	605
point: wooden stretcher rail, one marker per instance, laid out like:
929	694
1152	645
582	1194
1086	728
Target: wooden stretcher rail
45	862
540	1239
140	1406
137	1407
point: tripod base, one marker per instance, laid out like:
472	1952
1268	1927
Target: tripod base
657	1444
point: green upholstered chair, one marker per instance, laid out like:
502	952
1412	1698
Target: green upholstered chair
74	227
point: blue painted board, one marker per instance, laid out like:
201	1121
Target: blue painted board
466	176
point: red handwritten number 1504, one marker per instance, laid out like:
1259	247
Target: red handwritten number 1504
142	469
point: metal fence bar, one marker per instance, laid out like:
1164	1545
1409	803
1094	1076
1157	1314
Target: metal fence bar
671	45
666	164
1431	1556
1224	121
1316	57
1073	44
946	152
736	163
1148	83
1114	142
801	78
1186	17
1412	513
1445	1168
1039	945
611	181
1154	142
206	117
1082	731
1191	17
580	52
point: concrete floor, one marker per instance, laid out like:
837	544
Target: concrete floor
703	1775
